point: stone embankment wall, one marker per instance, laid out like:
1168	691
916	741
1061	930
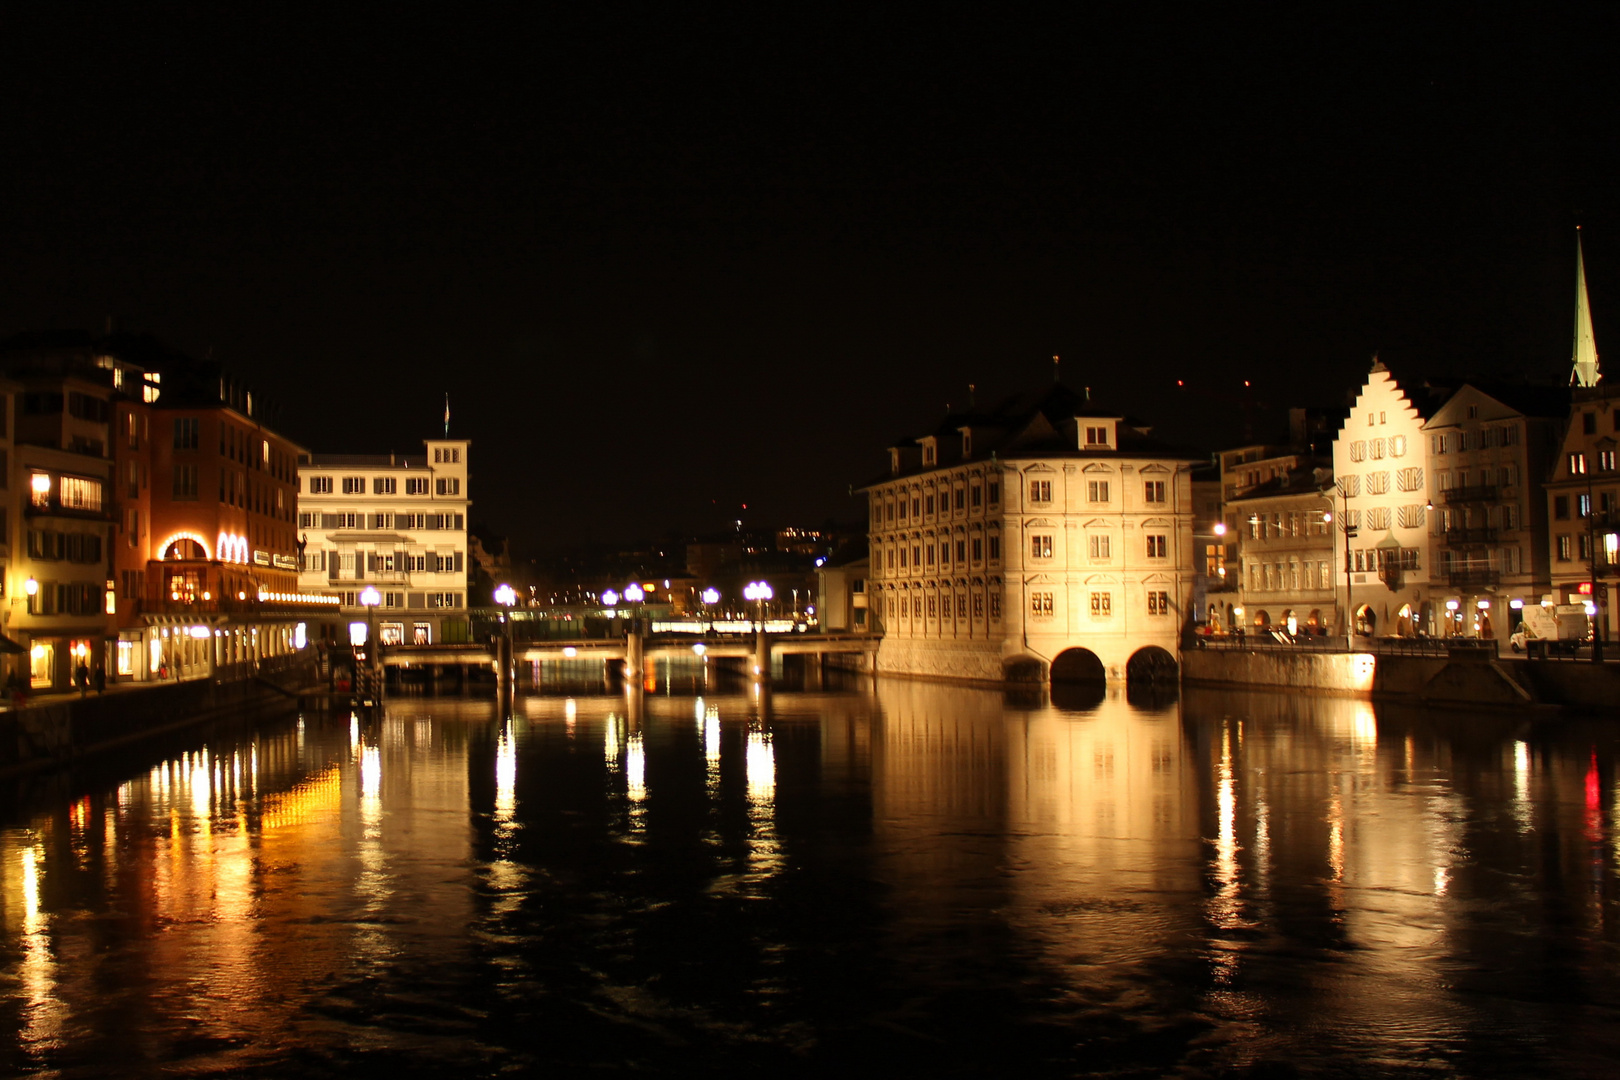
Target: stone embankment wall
961	661
1468	682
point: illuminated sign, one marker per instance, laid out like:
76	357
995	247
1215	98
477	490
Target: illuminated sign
262	558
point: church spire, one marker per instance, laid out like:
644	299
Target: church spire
1585	371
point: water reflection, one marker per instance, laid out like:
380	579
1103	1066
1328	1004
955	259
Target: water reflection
919	877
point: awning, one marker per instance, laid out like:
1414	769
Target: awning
9	647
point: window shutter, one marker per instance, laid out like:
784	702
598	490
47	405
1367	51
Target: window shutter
458	562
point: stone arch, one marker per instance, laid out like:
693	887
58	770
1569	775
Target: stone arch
1152	665
185	548
1366	620
1262	619
1078	666
1023	669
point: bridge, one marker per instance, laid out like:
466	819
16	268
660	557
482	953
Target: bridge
633	650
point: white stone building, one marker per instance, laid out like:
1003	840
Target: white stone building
396	522
1043	538
1380	467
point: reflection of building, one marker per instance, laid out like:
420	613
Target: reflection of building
394	522
1045	534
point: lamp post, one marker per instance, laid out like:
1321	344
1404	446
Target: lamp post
506	596
710	597
635	594
370	598
1347	618
758	591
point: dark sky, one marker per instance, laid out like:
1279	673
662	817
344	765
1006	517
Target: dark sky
675	263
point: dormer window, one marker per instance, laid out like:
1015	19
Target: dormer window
930	452
967	443
1098	434
894	459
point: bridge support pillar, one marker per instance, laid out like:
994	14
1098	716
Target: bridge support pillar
635	651
762	657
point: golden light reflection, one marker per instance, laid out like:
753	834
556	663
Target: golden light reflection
370	775
635	768
43	1012
610	738
1521	785
505	776
760	758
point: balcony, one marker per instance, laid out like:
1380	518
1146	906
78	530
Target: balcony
1471	576
1477	493
1467	537
368	577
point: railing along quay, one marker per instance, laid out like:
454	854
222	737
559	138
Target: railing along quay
1438	647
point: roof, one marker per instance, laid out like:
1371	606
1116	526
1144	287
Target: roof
1039	423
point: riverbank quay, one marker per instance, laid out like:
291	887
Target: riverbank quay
1430	674
59	729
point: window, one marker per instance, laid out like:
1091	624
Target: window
995	548
1564	548
1439	443
1153	491
1561	507
354	485
959	497
1397	446
185	482
185	433
994	488
1378	517
1096	436
320	485
995	606
961	551
1358	450
978	549
1040	491
1102	605
1510	516
977	496
1158	602
928	550
1099	547
1588	423
1097	491
449	485
961	606
932	609
416	485
1410	516
1606	460
1156	546
1040	546
1577	464
1376	448
1409	479
1377	483
1583	505
382	485
1040	604
77	493
342	520
928	504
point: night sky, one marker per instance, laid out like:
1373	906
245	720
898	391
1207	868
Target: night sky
679	262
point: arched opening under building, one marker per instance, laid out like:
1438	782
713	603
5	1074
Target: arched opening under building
1023	669
1262	619
1290	621
1078	666
1366	620
1403	621
1153	666
1313	621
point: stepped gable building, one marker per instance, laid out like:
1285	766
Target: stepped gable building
1045	537
1381	541
158	514
396	523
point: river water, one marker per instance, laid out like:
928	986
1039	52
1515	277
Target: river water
909	877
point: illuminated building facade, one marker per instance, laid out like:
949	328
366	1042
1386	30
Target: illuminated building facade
158	511
1286	575
1583	507
1044	537
1490	448
1382	492
58	515
394	522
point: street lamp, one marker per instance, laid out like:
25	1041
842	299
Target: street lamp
370	598
759	591
710	597
506	596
